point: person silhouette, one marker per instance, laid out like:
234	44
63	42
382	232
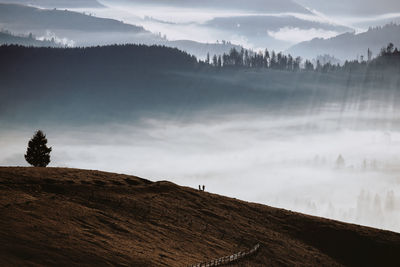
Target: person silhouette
199	187
204	187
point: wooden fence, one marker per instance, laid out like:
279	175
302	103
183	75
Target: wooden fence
228	259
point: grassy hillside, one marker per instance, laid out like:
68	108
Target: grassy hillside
70	217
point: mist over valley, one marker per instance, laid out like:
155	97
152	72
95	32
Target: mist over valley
199	133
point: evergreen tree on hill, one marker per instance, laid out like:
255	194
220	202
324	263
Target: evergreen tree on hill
38	154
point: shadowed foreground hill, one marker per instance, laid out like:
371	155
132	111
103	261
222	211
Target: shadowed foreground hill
69	217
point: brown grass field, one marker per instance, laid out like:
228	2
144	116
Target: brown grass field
71	217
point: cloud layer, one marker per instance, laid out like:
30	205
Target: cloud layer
296	35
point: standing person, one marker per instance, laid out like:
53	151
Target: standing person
204	187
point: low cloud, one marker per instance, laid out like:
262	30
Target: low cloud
49	35
189	23
297	35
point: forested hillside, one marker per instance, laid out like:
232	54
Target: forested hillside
131	81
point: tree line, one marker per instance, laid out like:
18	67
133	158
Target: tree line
278	61
249	59
160	56
129	56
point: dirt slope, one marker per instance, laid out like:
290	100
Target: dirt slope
54	216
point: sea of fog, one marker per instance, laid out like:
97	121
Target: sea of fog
286	161
179	23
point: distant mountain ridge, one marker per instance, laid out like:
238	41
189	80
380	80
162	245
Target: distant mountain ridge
349	45
86	30
56	3
18	17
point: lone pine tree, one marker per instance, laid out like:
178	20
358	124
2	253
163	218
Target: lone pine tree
38	154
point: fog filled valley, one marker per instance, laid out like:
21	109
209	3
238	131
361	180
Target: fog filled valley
324	143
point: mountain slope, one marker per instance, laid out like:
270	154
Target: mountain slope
348	45
68	217
19	17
